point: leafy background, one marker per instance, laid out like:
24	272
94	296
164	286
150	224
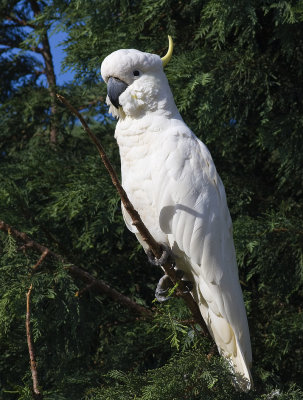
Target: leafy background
236	75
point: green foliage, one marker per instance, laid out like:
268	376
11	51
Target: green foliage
236	75
179	379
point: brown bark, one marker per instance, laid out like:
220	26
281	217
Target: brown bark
97	284
49	66
36	392
137	221
44	254
102	287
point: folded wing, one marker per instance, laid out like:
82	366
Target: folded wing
192	208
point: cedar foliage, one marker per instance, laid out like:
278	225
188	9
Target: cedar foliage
236	75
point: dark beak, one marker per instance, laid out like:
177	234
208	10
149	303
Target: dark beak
115	88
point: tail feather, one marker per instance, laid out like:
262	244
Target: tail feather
233	342
228	346
242	376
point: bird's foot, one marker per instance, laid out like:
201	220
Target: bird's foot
167	255
165	284
163	287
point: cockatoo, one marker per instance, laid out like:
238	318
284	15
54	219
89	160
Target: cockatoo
171	179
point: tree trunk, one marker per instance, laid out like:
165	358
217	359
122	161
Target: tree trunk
51	79
50	75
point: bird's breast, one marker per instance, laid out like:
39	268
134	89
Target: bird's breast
137	152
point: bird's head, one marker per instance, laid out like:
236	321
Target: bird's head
136	82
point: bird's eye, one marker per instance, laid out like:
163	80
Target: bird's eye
136	73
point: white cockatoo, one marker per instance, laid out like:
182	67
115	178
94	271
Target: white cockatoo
171	179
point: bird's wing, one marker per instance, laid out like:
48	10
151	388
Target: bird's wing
192	208
128	221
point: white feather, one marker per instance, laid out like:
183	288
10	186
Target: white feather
172	181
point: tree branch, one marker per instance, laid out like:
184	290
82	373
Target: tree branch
51	80
38	73
13	45
36	392
35	7
50	75
44	254
137	221
97	284
102	287
19	21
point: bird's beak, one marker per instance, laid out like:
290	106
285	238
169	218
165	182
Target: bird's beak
115	87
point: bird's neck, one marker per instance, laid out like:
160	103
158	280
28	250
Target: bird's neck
149	97
148	124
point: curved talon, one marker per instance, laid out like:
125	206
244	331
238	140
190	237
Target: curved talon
165	284
163	287
166	255
162	298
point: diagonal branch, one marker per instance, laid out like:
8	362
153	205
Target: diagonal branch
44	254
137	221
102	287
97	284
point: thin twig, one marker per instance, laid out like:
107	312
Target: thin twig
19	21
36	392
97	284
138	223
44	254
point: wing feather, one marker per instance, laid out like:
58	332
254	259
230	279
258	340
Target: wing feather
196	216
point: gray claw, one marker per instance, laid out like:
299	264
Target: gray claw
162	289
165	284
166	255
162	299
